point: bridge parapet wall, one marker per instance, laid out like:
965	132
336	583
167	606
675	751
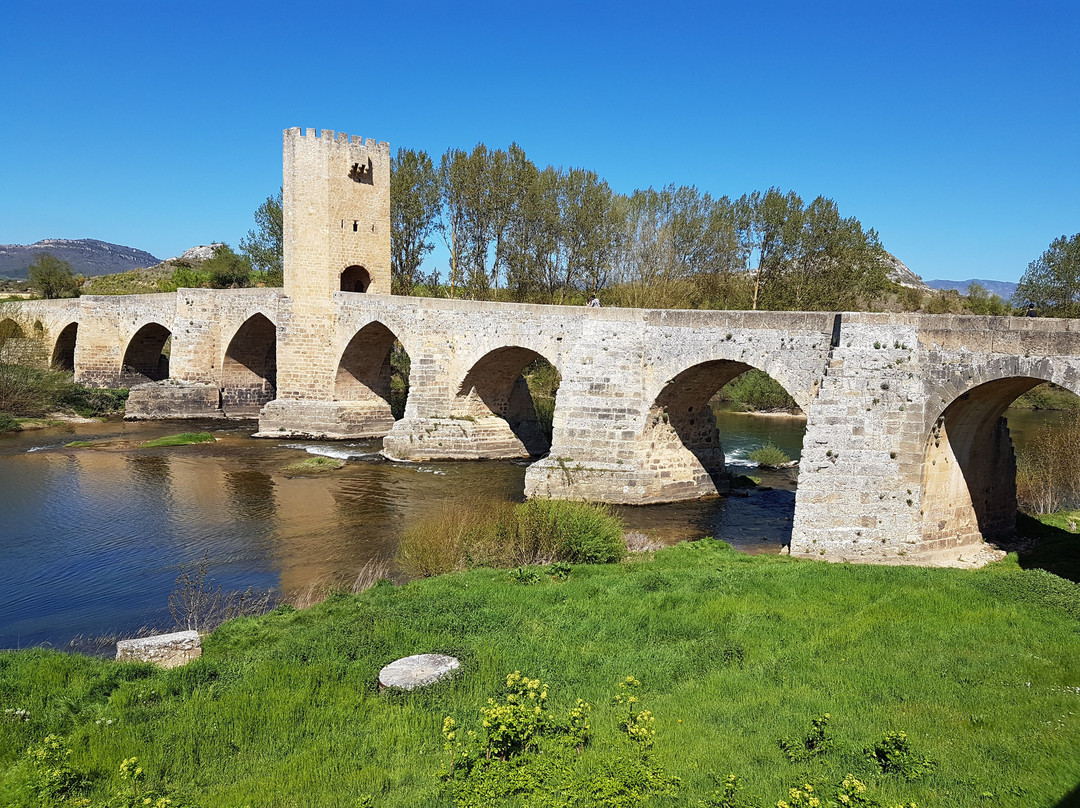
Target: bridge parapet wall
106	326
40	323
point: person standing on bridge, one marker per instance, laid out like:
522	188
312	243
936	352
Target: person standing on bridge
594	302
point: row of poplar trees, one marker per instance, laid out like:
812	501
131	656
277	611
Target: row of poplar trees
519	232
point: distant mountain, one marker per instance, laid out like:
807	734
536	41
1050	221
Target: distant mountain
1004	289
87	256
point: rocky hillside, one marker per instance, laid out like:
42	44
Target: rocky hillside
87	256
898	272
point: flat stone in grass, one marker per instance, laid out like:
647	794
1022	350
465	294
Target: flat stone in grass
416	671
164	650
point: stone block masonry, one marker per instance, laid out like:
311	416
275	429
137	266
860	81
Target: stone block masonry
905	458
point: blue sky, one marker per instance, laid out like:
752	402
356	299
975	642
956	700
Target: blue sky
952	128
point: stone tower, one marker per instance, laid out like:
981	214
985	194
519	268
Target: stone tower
336	215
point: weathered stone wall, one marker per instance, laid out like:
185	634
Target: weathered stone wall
336	212
31	330
905	455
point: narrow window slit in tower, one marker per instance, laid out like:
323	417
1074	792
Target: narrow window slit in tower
355	225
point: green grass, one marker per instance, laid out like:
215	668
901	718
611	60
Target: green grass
183	439
734	652
314	465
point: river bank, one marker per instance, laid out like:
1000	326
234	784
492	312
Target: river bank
94	534
734	653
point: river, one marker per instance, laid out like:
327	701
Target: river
91	538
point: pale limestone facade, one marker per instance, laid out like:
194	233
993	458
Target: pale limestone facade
905	456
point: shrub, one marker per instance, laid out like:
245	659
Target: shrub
1048	469
89	402
579	532
436	544
8	423
893	755
27	392
227	270
812	745
497	534
770	455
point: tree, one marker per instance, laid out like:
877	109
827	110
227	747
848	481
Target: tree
1052	282
227	269
414	212
591	225
452	210
980	301
263	246
53	278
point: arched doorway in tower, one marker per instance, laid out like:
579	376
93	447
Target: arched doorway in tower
63	354
146	358
512	387
355	279
373	379
723	427
249	369
989	455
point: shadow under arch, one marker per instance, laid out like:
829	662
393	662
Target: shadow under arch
681	432
63	354
969	468
495	386
145	358
365	376
355	279
249	369
9	331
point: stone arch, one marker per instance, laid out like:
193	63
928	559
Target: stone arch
680	433
364	377
146	356
355	279
39	329
495	387
63	354
249	368
10	329
12	340
969	468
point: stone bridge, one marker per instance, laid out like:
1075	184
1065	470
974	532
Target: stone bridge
906	456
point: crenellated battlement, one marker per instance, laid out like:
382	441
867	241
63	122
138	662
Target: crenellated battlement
330	137
335	214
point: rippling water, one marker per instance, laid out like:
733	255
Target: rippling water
91	538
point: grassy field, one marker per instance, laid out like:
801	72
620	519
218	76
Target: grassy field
734	653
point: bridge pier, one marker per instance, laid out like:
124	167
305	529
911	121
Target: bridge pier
336	420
